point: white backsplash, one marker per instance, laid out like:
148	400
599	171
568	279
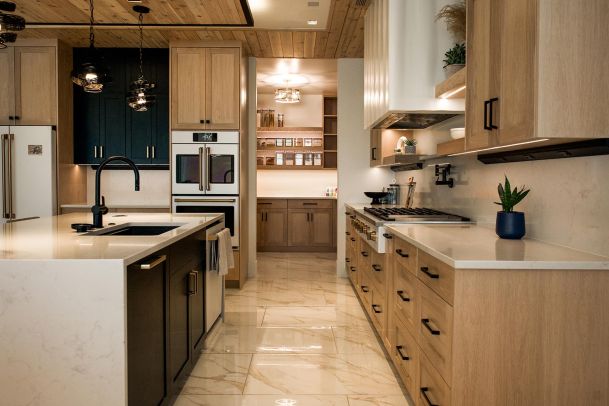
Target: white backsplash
117	187
568	203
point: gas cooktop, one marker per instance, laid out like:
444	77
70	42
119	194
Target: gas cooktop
406	214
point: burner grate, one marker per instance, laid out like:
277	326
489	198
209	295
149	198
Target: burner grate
389	213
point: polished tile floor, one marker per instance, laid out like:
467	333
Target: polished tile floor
293	336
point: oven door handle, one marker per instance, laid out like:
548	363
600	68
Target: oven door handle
193	200
201	165
207	163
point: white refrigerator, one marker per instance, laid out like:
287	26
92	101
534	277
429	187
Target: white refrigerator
27	170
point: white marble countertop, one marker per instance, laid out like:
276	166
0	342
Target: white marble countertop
52	238
476	247
298	197
117	206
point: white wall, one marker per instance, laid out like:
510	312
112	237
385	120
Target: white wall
307	113
354	173
252	181
289	183
568	203
117	187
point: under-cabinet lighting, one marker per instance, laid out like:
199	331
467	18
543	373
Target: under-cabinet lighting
450	93
312	22
500	147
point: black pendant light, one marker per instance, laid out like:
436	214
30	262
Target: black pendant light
9	23
92	74
140	96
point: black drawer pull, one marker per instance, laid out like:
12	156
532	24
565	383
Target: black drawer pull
309	204
353	239
425	270
376	268
347	233
424	391
490	120
401	253
399	348
374	308
353	269
428	327
347	260
347	213
486	105
365	289
364	254
401	295
387	236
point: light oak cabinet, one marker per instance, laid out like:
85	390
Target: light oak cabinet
296	225
205	88
530	72
28	92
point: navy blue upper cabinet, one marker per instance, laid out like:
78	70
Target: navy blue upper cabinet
104	125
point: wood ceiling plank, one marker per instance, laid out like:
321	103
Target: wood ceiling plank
287	44
254	44
265	44
309	44
275	38
354	15
298	39
339	15
320	44
240	36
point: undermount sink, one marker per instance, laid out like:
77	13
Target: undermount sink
133	229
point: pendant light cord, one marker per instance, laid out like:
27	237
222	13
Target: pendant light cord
141	24
92	21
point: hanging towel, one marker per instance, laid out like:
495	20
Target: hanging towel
226	259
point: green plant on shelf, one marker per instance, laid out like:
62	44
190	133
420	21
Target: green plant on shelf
455	55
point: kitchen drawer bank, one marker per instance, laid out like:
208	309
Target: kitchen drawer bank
296	224
100	320
529	326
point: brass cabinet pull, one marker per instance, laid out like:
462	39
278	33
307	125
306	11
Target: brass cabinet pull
153	264
101	151
153	152
147	151
95	151
201	165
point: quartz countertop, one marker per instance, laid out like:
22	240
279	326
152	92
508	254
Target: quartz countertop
298	197
116	206
477	247
52	238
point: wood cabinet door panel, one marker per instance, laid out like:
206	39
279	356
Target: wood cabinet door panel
36	85
188	88
275	227
514	112
375	148
179	337
322	230
7	86
222	94
299	227
478	73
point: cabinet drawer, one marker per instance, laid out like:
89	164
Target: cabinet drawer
378	270
405	254
364	255
432	388
364	290
406	299
309	204
439	276
436	330
272	204
378	311
405	356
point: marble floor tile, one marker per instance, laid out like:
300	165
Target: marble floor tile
320	374
376	400
217	374
250	339
354	340
261	400
243	315
317	316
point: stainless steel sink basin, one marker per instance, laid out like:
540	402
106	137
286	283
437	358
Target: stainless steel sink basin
135	229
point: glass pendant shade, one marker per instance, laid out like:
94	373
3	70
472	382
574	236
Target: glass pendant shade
139	98
287	95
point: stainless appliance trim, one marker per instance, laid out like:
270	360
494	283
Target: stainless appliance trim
207	168
11	138
4	179
201	166
183	200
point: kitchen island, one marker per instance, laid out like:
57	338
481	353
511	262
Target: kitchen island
81	314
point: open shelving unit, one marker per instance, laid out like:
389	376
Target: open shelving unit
330	132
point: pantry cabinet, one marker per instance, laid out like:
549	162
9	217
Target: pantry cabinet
205	88
530	72
28	93
296	225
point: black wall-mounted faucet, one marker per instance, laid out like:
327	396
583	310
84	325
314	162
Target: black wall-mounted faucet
100	202
442	173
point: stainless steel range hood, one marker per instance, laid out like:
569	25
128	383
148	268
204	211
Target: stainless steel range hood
403	57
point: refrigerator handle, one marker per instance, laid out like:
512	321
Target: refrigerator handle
4	178
201	164
11	137
207	168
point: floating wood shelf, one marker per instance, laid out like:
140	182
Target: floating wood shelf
289	167
451	147
453	87
289	129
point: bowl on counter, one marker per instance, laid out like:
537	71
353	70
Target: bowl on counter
376	196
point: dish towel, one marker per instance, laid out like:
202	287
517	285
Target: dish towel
226	259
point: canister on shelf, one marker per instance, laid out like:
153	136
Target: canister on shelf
280	120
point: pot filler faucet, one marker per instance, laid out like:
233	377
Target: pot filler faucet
100	204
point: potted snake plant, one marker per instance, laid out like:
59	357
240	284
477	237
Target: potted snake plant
510	224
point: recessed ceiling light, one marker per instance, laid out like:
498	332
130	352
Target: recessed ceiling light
134	1
312	22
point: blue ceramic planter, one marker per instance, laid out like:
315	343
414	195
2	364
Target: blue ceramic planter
510	225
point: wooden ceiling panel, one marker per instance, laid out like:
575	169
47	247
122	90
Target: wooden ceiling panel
344	37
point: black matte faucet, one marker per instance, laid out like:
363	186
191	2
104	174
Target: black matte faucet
100	203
